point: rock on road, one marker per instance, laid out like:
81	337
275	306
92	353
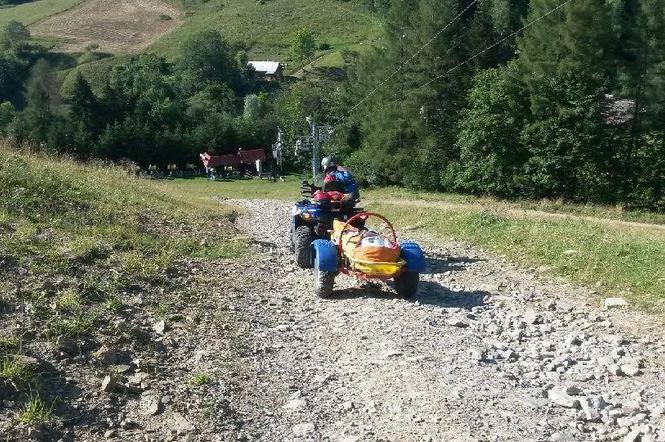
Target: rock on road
486	351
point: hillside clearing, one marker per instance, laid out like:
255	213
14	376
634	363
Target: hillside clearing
122	26
91	260
265	29
31	12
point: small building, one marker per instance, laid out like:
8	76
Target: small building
243	160
220	161
268	70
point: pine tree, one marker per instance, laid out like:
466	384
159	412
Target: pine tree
411	118
652	61
42	96
542	45
83	103
645	162
587	38
575	38
37	114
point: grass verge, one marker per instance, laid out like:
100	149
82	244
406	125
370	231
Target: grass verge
616	260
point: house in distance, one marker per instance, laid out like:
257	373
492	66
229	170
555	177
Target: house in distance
268	70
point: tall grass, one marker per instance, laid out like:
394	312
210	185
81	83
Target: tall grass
75	239
614	259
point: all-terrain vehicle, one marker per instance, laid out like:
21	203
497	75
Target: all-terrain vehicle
365	254
312	219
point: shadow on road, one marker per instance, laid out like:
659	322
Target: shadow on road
438	264
433	293
429	293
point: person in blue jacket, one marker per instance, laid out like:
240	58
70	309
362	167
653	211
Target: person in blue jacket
339	179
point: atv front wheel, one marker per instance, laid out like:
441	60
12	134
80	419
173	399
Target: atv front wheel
303	247
324	283
406	284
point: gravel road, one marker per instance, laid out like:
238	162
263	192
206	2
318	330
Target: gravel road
486	351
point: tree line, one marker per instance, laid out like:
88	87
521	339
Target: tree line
147	109
572	107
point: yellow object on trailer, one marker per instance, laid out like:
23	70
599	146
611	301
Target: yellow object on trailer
368	252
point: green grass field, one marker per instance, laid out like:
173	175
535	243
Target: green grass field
266	28
612	258
32	12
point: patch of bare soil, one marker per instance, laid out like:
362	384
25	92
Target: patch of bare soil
116	26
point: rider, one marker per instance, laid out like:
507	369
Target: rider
340	179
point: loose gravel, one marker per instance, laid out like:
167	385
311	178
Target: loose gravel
486	351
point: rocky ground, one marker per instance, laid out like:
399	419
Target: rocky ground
486	351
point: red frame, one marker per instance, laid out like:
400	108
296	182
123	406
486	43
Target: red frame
340	248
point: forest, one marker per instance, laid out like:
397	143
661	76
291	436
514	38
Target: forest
511	98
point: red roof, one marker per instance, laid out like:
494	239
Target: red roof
243	156
252	155
219	161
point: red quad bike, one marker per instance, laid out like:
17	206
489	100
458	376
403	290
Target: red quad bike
366	255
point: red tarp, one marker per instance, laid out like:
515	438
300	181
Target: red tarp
244	156
251	156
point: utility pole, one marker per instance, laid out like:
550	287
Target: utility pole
312	144
315	149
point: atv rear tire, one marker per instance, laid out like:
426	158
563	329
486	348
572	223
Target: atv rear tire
303	247
406	284
324	283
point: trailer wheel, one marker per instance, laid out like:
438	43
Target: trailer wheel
324	283
303	247
406	284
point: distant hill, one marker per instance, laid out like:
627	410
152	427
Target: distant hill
264	28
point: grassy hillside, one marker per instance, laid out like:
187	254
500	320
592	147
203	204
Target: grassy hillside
32	12
266	28
83	247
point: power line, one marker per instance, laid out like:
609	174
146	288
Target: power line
496	44
396	71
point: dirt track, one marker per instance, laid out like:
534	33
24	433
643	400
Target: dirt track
486	352
246	352
116	26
